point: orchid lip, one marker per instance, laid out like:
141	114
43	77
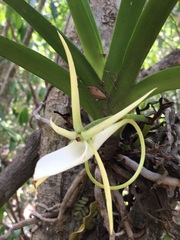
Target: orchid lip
77	152
63	159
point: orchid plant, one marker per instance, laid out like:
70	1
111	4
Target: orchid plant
85	141
115	75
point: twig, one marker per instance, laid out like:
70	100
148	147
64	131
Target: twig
152	176
38	117
18	226
5	28
9	205
99	196
13	34
48	209
118	199
30	29
37	217
18	207
122	174
43	219
34	94
71	195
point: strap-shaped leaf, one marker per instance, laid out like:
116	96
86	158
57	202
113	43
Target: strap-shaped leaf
88	33
126	21
162	81
35	63
147	28
47	70
49	33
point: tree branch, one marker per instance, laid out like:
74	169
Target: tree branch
152	176
170	60
21	168
50	217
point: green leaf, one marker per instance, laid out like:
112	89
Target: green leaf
2	210
13	17
147	28
127	18
47	70
88	222
12	144
54	11
2	13
165	80
23	116
49	32
35	63
167	237
1	112
88	33
42	92
7	130
9	12
16	234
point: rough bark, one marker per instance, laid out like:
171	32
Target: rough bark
171	60
21	168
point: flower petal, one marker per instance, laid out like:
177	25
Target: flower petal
106	186
71	135
101	137
63	159
91	132
76	111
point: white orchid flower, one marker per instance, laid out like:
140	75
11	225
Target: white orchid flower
85	141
